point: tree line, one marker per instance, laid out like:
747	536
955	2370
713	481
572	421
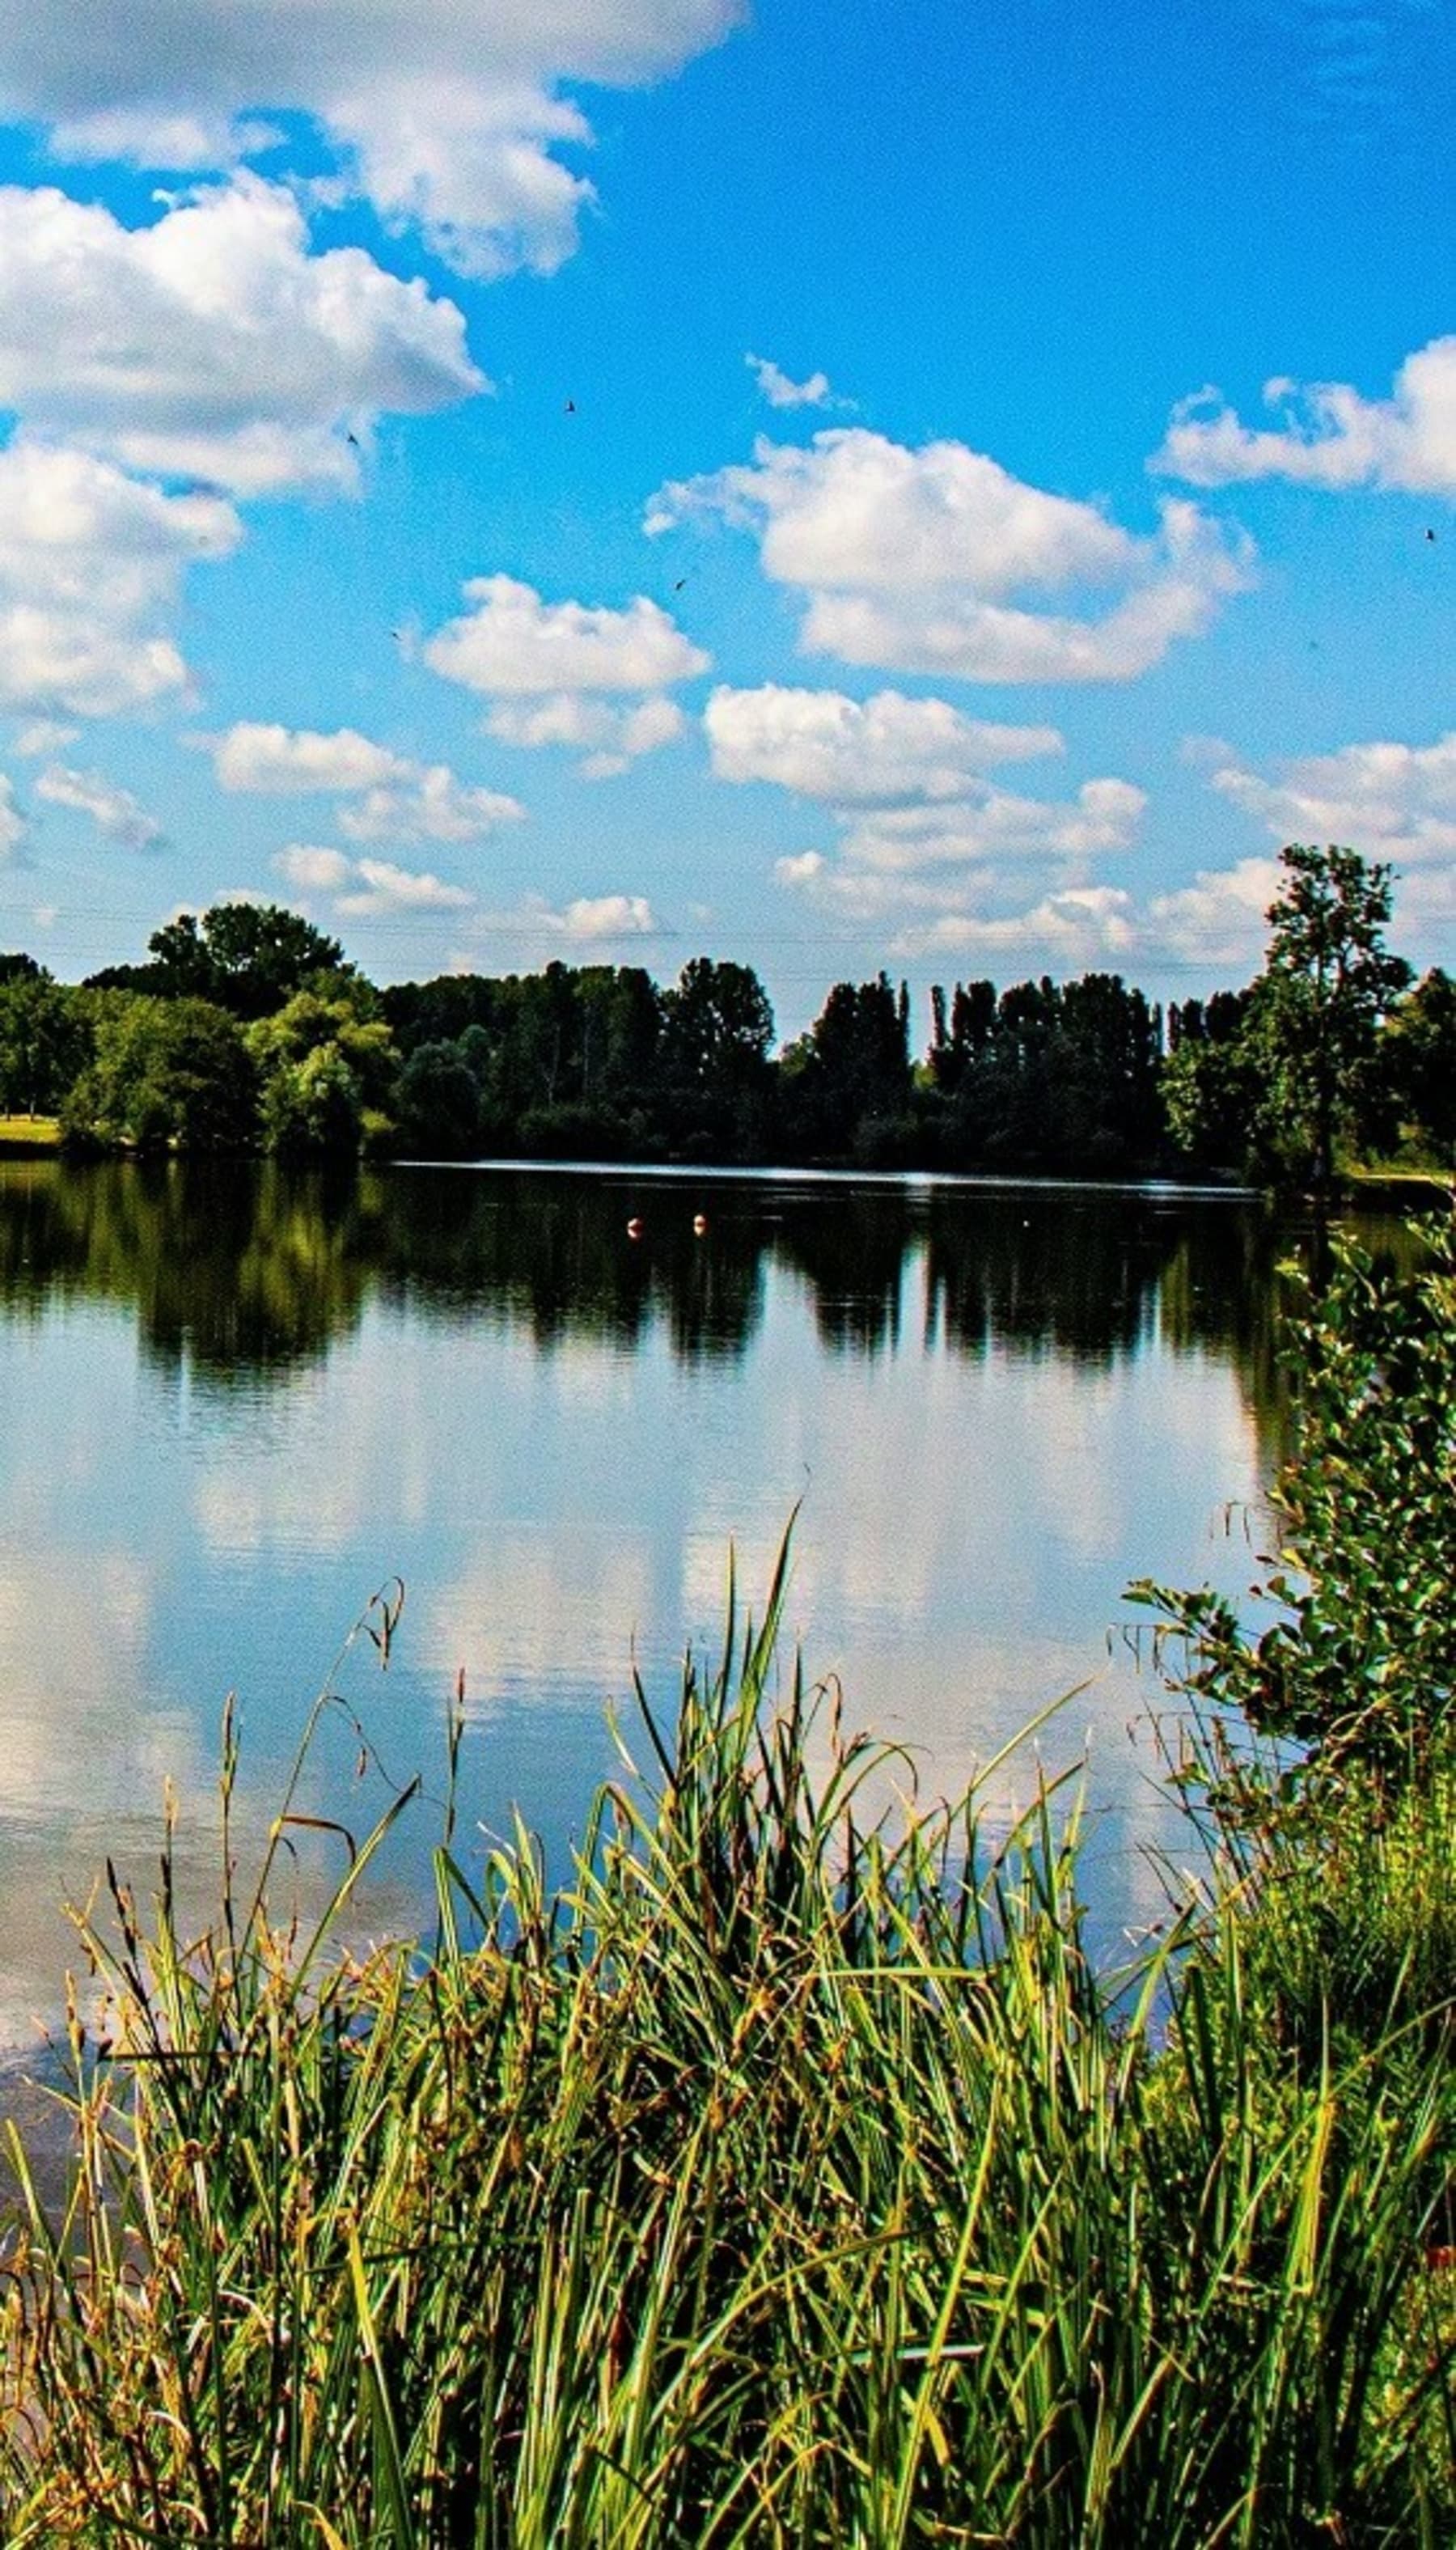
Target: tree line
248	1030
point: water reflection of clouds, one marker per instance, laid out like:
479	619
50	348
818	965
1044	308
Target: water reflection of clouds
974	1496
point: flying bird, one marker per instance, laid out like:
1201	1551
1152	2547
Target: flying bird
570	408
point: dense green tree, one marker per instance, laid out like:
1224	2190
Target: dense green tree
45	1041
326	1072
847	1082
248	957
1329	982
167	1075
1417	1060
716	1078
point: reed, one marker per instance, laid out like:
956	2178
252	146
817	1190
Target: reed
787	2178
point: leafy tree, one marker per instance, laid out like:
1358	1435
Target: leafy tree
44	1042
327	1071
849	1081
167	1075
1329	982
1359	1663
248	957
1417	1053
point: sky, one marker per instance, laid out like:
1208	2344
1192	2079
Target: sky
901	483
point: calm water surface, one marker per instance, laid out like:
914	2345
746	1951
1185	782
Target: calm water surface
235	1404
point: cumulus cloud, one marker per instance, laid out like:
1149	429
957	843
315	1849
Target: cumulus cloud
845	751
1081	925
263	760
781	391
429	805
115	812
560	672
43	736
396	799
932	560
587	919
366	888
1392	801
91	563
920	829
1218	919
450	117
213	345
1328	435
14	829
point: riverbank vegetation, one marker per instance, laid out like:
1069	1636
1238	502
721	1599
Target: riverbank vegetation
247	1029
794	2175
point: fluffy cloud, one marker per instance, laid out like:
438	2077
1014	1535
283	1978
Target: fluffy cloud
1081	925
925	560
91	562
396	799
1328	435
115	812
42	737
211	344
14	829
366	888
1393	800
446	115
1218	919
557	672
844	751
588	920
289	762
429	805
513	645
921	829
781	391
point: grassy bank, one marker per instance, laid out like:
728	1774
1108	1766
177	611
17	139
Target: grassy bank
787	2179
29	1133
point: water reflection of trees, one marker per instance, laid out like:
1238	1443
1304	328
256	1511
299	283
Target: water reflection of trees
250	1272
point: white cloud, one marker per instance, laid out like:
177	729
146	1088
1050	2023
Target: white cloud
43	736
289	762
211	344
1389	801
1328	435
1081	926
514	645
923	560
366	888
780	391
558	672
445	114
91	562
309	868
429	805
1218	919
115	812
844	751
14	827
606	916
398	799
588	920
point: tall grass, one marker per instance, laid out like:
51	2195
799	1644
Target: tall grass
786	2178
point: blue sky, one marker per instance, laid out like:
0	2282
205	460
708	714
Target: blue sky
617	479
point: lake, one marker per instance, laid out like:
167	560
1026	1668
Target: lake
237	1401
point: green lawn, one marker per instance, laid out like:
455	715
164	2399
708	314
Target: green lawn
29	1132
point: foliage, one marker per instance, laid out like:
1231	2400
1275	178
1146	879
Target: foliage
43	1040
327	1071
166	1075
1296	1073
1048	1075
1418	1058
248	957
1358	1665
786	2180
